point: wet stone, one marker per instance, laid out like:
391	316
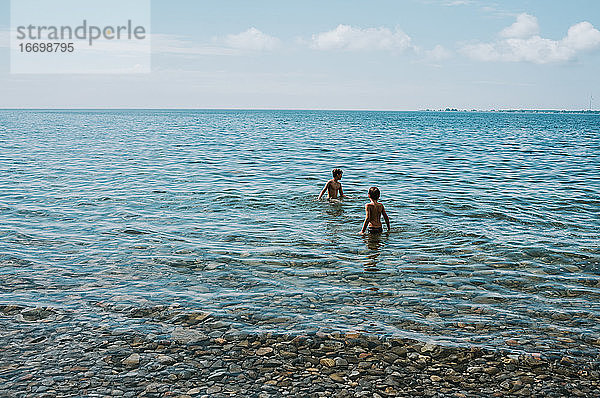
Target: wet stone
264	351
132	361
214	389
165	359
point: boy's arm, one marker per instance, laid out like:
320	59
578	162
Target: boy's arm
386	218
324	189
367	218
341	191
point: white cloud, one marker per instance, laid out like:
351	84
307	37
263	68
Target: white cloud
438	53
582	37
521	43
251	40
346	37
525	26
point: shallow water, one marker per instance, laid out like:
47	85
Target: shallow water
494	239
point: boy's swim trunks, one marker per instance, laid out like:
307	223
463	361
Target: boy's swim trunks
375	230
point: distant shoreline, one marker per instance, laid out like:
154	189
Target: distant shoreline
544	111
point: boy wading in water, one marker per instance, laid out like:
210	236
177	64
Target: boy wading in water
333	186
374	211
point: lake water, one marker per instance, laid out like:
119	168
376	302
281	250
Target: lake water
495	222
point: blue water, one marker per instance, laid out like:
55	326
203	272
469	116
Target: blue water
495	221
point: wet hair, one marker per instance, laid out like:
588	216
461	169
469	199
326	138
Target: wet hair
336	172
374	193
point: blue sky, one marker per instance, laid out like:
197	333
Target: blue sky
343	54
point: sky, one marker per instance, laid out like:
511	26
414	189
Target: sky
342	54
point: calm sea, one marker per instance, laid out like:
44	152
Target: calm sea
495	221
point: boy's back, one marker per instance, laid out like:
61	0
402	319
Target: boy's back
333	187
374	210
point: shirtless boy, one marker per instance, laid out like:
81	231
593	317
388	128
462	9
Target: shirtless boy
374	211
333	186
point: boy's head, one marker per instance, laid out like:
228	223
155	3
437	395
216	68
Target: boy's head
374	193
337	173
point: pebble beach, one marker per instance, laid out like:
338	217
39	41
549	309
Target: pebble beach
45	353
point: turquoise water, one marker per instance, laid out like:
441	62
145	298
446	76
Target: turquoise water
494	240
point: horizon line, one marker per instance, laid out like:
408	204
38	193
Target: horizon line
447	109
